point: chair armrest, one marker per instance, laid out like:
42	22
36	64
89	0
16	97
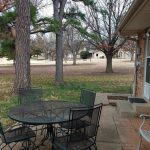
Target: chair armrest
145	116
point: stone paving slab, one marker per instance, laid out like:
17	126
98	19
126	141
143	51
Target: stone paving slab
107	130
128	133
108	146
101	98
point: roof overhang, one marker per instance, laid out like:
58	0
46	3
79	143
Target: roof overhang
137	19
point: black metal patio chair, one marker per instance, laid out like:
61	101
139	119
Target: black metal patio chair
15	135
82	137
30	96
87	98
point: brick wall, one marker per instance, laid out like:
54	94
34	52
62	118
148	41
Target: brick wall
139	77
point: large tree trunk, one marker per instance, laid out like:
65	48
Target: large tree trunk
58	6
22	64
109	64
59	58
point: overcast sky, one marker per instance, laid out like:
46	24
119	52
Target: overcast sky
47	9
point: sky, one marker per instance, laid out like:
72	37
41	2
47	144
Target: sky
47	9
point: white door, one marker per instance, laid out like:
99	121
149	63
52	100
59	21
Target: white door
147	72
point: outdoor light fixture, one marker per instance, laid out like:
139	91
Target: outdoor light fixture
138	63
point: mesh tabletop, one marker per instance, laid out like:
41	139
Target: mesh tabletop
43	112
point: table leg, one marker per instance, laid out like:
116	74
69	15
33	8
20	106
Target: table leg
50	134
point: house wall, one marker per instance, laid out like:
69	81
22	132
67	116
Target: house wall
98	54
139	69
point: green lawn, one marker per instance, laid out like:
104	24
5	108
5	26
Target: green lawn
69	91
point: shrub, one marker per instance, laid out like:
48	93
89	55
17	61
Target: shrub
85	55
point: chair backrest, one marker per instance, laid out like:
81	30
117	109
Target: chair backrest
87	97
2	135
89	125
29	95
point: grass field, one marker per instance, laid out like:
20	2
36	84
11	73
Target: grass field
71	88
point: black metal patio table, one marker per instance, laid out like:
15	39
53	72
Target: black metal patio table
43	112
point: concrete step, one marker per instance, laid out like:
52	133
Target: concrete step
139	105
125	109
141	108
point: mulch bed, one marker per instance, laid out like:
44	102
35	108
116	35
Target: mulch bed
117	97
113	99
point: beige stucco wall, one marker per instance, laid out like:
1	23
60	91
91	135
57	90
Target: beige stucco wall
139	77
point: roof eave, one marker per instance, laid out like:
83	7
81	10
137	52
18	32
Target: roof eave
132	10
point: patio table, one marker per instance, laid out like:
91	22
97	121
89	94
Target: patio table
43	113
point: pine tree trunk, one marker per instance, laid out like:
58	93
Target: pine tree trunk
22	64
58	6
109	64
59	58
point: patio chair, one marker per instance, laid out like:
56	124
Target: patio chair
87	97
82	137
29	95
15	135
144	134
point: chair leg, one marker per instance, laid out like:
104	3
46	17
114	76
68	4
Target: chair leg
139	145
26	144
33	145
95	146
52	147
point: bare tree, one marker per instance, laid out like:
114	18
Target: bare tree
101	27
45	44
73	41
22	65
130	46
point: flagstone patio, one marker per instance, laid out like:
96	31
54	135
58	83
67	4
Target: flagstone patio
115	132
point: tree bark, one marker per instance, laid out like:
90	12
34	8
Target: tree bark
22	65
59	58
74	58
109	68
58	6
